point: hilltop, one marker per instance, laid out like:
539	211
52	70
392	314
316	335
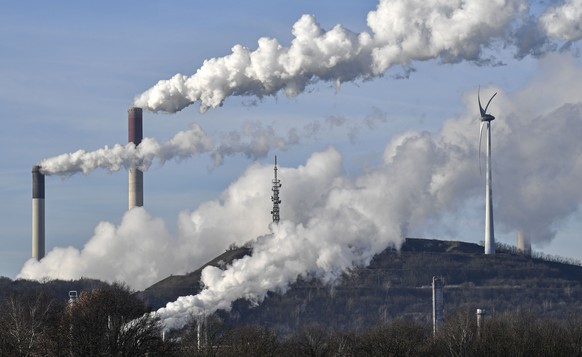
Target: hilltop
398	284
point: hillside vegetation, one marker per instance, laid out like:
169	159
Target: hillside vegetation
397	284
534	308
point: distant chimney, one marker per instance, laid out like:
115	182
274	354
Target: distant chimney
437	304
38	247
135	176
523	244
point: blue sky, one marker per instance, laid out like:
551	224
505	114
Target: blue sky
69	71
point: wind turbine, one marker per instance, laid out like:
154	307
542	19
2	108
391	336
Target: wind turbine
489	231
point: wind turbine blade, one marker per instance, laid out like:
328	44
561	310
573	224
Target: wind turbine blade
479	100
480	136
487	106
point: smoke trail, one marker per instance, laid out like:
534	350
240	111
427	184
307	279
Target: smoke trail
184	144
111	253
332	222
421	178
346	223
140	250
402	31
254	140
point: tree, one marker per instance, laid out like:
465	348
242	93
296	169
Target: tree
110	321
201	339
25	323
396	338
459	334
312	340
251	340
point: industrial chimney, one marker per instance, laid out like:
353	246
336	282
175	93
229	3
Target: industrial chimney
135	179
437	304
523	244
37	213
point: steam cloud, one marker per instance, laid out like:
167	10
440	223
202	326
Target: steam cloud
402	31
332	222
254	140
421	177
184	144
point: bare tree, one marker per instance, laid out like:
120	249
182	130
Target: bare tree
111	321
312	340
25	322
459	334
252	340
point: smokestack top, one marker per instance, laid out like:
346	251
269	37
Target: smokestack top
135	125
37	182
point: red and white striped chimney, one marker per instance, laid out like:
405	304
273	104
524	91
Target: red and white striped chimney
135	179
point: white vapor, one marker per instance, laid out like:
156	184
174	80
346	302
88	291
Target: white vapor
422	177
402	31
184	144
331	223
253	140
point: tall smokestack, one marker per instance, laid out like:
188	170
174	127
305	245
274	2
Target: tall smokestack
37	213
135	179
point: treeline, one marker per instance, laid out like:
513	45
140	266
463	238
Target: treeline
510	334
111	321
552	258
104	321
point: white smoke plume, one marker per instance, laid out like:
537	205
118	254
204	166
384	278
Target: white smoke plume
331	223
140	250
184	144
402	31
421	178
253	140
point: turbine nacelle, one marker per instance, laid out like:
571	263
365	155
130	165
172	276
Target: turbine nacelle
487	117
484	115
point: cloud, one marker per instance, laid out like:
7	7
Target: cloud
563	21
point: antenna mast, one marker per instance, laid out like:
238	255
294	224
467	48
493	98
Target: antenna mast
275	197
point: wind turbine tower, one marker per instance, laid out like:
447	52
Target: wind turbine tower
275	197
489	230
